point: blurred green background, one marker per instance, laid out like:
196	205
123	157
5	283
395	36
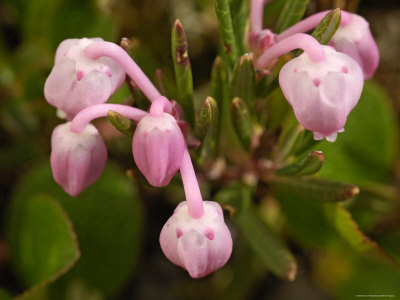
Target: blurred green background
104	243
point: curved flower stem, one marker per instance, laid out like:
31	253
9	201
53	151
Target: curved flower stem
86	115
303	41
118	54
256	15
311	22
159	105
191	187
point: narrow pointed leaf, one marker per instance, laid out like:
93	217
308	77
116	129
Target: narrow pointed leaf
243	81
183	71
225	25
316	189
327	27
239	13
306	143
292	12
207	114
269	247
351	233
288	142
307	165
123	124
219	81
242	123
207	128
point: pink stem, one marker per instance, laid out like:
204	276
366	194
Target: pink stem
159	105
101	110
256	15
303	41
311	22
191	186
118	54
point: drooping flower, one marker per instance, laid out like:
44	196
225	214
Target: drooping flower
355	39
77	159
78	81
322	93
199	245
158	147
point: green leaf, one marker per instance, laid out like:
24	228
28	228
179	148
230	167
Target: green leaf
242	123
239	13
325	30
326	224
306	143
107	218
219	81
350	232
123	124
307	165
265	243
208	115
292	12
183	71
44	246
366	151
317	189
288	141
244	80
225	25
305	218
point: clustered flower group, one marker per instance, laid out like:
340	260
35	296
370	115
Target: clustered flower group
322	85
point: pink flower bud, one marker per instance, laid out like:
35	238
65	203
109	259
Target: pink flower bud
355	39
78	81
77	159
261	41
323	93
158	147
202	245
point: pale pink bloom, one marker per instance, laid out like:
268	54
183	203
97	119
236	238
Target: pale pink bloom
78	81
322	93
355	39
158	147
77	159
199	245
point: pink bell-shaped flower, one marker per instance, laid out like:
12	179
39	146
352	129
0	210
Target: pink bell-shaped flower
158	147
322	93
355	39
78	81
77	159
201	245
